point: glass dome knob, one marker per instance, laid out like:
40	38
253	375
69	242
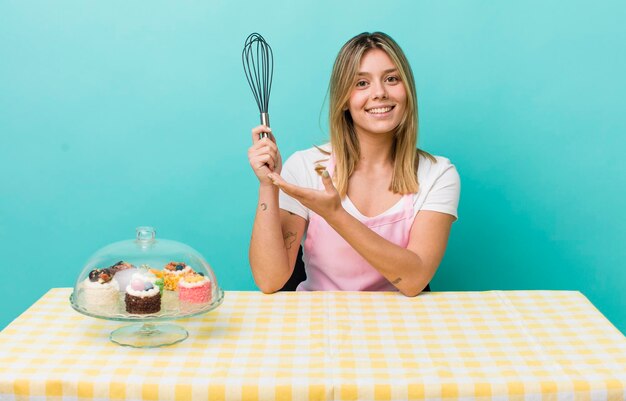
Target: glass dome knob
146	234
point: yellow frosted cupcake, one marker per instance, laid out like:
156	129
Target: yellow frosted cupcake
173	272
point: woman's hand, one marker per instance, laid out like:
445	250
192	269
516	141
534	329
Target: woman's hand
263	155
326	203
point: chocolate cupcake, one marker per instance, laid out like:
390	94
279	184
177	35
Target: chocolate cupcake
142	297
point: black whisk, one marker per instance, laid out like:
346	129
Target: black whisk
258	64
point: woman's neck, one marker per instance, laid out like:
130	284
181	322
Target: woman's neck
375	151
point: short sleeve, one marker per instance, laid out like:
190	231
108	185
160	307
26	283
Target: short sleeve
445	191
294	172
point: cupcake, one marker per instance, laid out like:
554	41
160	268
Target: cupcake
142	296
100	293
147	274
121	265
122	273
194	288
173	271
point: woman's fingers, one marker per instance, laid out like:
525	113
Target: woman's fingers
272	137
328	183
325	203
262	160
264	150
263	155
301	194
264	145
256	132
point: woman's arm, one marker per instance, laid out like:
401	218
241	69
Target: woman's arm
276	234
408	269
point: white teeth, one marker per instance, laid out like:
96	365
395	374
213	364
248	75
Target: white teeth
379	110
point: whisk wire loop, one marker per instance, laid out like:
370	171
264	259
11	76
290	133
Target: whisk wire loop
258	64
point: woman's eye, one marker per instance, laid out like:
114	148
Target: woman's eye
393	79
361	84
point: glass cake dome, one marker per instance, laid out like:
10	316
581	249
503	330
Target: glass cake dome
146	280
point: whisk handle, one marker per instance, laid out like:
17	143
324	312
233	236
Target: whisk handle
265	120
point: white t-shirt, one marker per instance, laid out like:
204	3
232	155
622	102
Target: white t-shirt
439	184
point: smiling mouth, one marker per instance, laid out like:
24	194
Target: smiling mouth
380	110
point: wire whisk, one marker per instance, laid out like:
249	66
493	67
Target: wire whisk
258	64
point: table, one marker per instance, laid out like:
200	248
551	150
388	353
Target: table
495	345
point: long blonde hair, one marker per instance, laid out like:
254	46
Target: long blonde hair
343	138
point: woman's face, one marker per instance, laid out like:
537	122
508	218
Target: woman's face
378	99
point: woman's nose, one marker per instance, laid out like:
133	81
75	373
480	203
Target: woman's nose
379	91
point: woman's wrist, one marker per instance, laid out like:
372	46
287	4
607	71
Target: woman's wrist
267	186
268	196
337	217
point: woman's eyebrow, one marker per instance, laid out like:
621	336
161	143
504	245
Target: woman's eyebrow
384	72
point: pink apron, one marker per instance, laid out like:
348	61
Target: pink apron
333	265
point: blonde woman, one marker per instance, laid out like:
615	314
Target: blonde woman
374	211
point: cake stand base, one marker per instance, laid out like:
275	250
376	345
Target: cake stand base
148	335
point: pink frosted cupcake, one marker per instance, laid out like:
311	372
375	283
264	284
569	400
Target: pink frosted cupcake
194	288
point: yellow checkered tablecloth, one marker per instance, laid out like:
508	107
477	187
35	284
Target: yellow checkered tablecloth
496	345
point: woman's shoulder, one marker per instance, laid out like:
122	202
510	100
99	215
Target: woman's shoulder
439	185
303	165
431	167
311	156
314	152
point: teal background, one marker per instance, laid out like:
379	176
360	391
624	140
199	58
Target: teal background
116	114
